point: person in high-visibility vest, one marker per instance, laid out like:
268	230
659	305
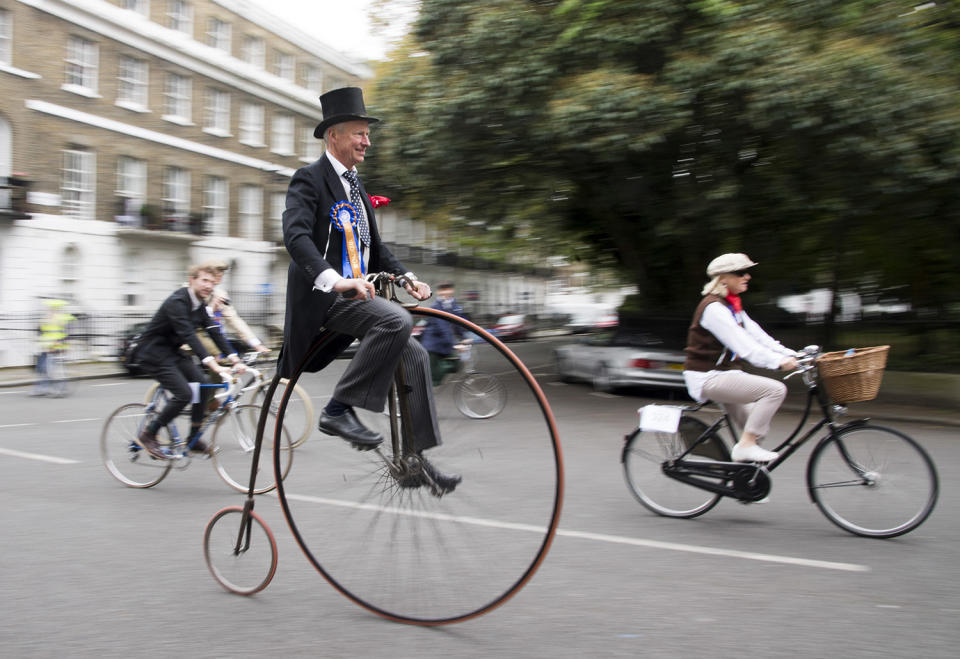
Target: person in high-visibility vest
53	343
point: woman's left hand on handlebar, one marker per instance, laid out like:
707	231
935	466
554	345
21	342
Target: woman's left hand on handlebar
789	364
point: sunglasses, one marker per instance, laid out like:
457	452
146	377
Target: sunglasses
740	273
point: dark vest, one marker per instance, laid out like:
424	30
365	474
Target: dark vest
703	349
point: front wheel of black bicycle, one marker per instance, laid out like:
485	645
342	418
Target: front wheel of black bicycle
371	523
872	481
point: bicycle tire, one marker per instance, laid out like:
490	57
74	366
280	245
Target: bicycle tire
249	570
644	455
122	456
480	395
298	424
407	554
872	481
232	445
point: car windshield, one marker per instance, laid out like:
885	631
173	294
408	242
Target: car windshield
632	339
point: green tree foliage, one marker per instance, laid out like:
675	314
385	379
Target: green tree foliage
822	138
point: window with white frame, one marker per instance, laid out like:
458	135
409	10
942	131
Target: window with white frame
176	197
281	134
216	112
132	83
312	78
6	37
253	51
82	62
78	183
134	276
131	187
284	65
180	16
70	267
216	206
251	124
176	98
311	148
142	7
250	212
278	203
218	34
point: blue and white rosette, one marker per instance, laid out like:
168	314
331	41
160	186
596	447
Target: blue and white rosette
343	216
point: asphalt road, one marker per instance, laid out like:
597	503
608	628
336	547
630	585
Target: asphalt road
90	568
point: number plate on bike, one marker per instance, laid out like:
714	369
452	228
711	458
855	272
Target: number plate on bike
659	418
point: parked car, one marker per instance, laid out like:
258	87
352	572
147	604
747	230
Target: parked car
512	327
622	358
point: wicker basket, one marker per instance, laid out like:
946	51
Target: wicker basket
856	377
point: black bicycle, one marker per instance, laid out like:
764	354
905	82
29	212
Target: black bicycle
374	523
867	479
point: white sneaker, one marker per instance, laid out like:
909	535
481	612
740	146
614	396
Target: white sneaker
752	453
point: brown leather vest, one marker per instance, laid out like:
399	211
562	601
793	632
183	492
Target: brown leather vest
703	349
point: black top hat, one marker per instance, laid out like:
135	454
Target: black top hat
339	105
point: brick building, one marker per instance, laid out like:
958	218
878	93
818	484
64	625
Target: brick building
137	136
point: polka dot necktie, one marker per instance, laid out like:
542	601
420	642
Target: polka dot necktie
362	227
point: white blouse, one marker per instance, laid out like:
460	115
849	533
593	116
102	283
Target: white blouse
743	337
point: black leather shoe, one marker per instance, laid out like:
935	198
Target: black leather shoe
200	446
348	427
439	482
148	441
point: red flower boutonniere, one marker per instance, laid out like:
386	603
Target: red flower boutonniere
379	201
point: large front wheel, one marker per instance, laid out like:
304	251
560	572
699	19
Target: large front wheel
382	531
646	452
872	481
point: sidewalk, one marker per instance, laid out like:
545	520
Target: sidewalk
908	397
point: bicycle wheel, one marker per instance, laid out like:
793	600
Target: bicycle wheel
643	458
480	395
233	442
123	457
299	417
393	546
872	481
250	568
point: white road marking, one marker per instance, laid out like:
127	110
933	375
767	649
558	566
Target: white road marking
18	425
37	456
78	420
109	384
599	537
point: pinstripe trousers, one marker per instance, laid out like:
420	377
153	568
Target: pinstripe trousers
384	331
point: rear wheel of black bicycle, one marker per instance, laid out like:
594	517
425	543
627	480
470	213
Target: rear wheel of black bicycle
644	456
373	526
872	481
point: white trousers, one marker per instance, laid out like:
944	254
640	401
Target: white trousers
750	400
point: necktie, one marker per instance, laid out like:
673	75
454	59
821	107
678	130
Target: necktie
362	227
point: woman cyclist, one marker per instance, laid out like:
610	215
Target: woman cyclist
721	337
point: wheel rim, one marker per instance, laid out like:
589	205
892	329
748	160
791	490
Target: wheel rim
480	395
413	557
643	458
127	462
891	491
233	442
246	572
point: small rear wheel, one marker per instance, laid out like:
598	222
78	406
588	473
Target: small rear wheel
123	457
643	458
240	551
872	481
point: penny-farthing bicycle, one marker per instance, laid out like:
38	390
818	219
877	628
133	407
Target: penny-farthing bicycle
378	530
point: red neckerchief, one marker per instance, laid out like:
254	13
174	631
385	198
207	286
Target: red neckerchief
735	302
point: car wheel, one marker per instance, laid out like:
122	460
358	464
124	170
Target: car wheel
602	380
